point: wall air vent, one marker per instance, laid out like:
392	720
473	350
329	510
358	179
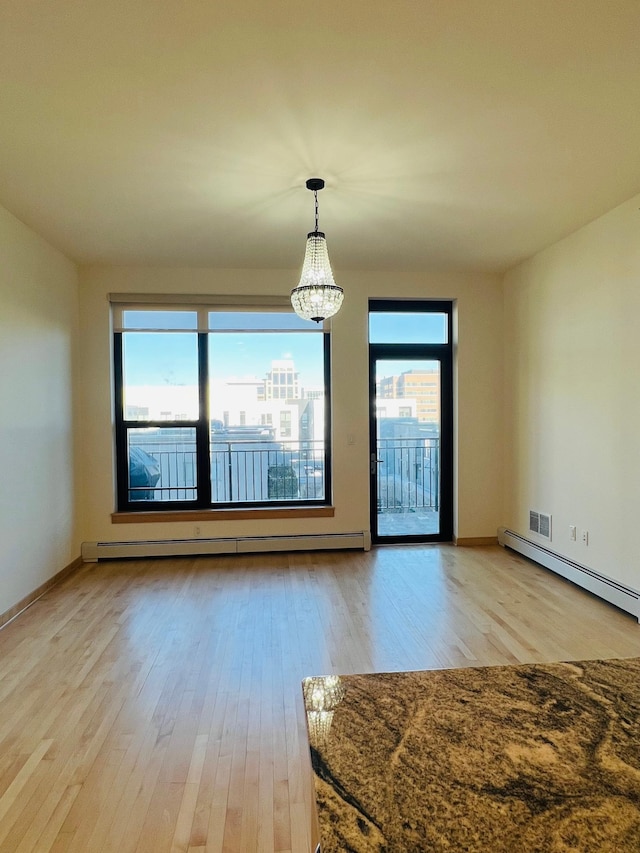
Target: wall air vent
540	523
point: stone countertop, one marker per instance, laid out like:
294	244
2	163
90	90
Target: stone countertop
529	758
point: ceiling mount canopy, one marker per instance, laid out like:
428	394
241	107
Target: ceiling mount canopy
317	296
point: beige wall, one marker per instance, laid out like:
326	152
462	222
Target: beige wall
545	402
572	362
478	395
38	335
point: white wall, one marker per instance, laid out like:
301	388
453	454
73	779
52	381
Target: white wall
38	335
572	408
478	394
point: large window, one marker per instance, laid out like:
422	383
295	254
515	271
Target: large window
219	406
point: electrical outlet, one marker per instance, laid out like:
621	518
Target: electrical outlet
572	532
196	530
585	537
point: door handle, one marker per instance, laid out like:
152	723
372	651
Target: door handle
375	461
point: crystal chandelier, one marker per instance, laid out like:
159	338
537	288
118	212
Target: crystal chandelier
321	698
317	296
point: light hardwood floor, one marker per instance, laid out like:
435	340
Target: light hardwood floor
155	706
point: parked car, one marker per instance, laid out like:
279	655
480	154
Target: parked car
144	473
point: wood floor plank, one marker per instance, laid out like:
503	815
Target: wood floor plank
11	799
154	706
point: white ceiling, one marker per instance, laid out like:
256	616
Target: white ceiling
453	134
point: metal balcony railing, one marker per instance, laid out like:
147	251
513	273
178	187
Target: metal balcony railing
250	471
241	470
408	474
246	471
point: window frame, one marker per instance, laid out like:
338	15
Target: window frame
444	353
203	486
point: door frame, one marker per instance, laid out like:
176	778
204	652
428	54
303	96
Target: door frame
442	353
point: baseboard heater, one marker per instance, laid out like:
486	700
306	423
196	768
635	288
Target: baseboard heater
616	593
94	551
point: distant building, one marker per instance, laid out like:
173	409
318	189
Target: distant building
136	413
275	406
423	386
282	382
393	408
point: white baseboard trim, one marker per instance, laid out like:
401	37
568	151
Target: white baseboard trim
94	551
624	597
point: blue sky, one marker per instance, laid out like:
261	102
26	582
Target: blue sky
159	358
156	358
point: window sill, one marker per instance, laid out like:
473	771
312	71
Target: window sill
223	514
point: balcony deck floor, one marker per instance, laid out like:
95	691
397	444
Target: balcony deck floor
412	522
